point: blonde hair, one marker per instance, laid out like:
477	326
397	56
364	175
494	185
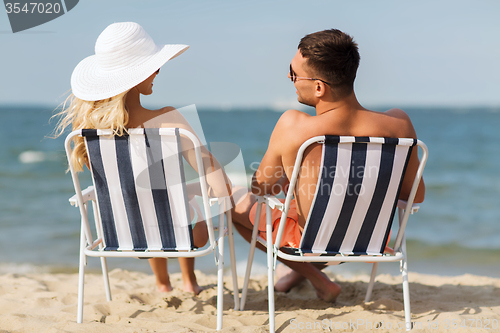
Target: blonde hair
108	114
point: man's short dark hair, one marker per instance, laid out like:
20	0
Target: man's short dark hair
332	56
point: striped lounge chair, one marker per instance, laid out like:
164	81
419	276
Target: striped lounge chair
140	202
351	215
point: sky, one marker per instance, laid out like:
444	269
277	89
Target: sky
413	53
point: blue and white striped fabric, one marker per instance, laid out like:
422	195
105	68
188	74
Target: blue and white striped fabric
356	195
140	189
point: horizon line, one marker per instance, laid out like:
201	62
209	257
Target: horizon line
256	107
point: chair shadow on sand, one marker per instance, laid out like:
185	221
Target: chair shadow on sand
429	302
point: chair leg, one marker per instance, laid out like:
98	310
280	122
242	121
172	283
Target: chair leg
220	276
233	260
104	264
270	268
372	280
406	287
105	276
250	255
81	277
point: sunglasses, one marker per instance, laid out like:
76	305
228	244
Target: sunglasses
157	72
294	77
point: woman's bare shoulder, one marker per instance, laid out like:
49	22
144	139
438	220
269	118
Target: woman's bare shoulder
171	117
166	109
164	117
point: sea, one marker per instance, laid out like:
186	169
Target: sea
455	232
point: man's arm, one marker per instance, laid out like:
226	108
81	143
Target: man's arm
270	177
266	180
411	169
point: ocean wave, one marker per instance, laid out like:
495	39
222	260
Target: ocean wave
22	268
257	268
33	156
239	178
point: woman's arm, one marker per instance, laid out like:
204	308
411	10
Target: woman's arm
218	182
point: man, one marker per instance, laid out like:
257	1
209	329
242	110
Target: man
323	72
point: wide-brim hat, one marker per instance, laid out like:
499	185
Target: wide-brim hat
125	55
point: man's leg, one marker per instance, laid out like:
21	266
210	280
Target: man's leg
287	278
325	288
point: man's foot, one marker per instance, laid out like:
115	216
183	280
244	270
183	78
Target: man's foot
192	288
287	278
327	290
329	294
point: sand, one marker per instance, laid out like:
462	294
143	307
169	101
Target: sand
47	303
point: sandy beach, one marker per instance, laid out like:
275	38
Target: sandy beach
47	303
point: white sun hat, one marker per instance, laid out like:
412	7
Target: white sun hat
125	55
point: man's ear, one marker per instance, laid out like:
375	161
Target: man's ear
319	89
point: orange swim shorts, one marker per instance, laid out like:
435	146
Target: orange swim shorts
291	234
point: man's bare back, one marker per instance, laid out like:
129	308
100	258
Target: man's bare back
295	127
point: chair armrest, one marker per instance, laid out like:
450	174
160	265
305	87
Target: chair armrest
213	201
273	202
87	194
402	205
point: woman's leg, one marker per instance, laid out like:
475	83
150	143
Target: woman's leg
200	238
188	277
159	267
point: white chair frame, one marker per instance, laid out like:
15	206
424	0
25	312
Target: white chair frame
273	252
90	247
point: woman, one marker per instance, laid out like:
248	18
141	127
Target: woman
106	89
